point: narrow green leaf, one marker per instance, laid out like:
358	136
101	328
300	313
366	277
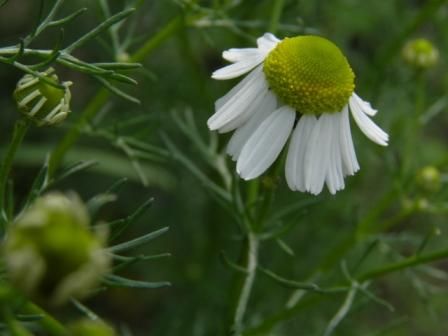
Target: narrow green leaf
74	169
127	261
284	247
117	66
117	281
99	29
85	310
177	155
29	317
121	224
231	264
300	285
38	186
67	19
98	201
117	91
138	241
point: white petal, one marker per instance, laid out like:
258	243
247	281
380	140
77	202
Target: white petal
295	159
266	106
239	68
350	163
229	95
235	104
363	105
335	178
267	42
247	58
235	55
317	156
367	126
266	143
244	117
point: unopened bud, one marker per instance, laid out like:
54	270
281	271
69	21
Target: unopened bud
422	205
420	53
123	57
43	103
429	179
50	252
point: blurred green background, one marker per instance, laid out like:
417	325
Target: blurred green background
412	108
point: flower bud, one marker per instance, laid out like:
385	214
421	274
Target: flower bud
41	102
123	57
429	179
90	328
420	53
50	252
422	205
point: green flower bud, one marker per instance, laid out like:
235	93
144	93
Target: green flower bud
50	252
41	102
429	179
123	57
417	205
422	205
90	328
420	53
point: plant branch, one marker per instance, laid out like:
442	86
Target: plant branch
19	132
251	256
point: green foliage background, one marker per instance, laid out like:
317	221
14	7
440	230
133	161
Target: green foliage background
374	213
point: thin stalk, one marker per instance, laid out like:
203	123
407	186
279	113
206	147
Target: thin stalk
403	264
73	134
251	255
342	312
19	132
52	326
170	28
6	51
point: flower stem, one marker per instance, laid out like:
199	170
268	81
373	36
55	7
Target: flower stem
19	132
251	262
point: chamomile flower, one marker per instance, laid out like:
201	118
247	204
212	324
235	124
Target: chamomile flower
300	88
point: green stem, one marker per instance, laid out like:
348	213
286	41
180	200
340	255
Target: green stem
102	96
52	326
277	9
19	132
9	51
73	134
405	263
251	255
170	28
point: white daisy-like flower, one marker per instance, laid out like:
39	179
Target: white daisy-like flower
303	88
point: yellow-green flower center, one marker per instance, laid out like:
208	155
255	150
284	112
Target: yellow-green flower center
310	74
